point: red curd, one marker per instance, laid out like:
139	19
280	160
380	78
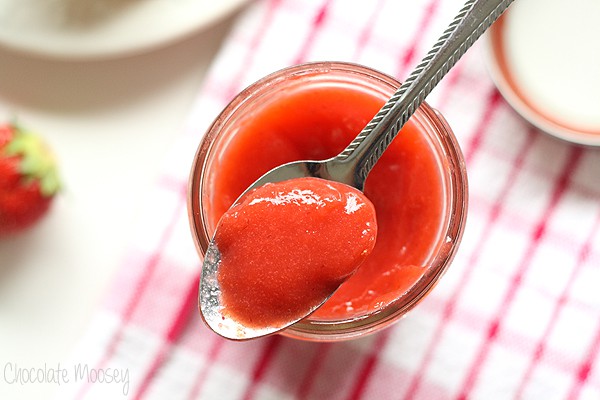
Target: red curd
418	187
287	246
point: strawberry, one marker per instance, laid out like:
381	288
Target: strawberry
28	179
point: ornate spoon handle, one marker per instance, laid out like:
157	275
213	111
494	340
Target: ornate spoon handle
474	18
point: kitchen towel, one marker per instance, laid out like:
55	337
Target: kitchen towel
517	315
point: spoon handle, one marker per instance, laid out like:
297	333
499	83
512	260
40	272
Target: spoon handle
474	18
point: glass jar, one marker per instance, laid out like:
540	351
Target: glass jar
430	122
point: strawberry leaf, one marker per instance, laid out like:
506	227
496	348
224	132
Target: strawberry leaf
37	162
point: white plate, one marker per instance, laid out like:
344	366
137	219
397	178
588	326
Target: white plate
80	29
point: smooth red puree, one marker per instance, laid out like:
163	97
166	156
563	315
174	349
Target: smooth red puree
285	247
406	188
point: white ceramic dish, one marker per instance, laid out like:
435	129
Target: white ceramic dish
544	57
83	29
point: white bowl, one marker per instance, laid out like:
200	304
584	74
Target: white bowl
544	57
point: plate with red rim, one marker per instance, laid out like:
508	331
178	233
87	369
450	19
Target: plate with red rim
543	57
87	29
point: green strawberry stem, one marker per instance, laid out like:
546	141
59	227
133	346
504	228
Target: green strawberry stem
37	162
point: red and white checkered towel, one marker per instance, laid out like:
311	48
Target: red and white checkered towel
516	316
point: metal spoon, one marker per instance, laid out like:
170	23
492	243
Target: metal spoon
352	166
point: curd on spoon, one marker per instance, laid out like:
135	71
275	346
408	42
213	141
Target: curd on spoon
287	246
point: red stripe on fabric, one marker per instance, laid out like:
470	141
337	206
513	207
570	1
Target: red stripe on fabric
317	23
149	269
450	80
559	189
408	56
188	305
540	347
236	81
494	213
368	365
215	349
475	142
313	370
584	369
273	343
366	33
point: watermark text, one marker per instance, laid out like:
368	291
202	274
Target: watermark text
15	374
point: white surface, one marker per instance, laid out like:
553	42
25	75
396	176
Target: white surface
110	123
100	28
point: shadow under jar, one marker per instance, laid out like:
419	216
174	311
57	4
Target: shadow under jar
419	186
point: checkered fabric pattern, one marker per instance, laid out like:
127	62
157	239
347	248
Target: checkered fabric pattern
516	316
